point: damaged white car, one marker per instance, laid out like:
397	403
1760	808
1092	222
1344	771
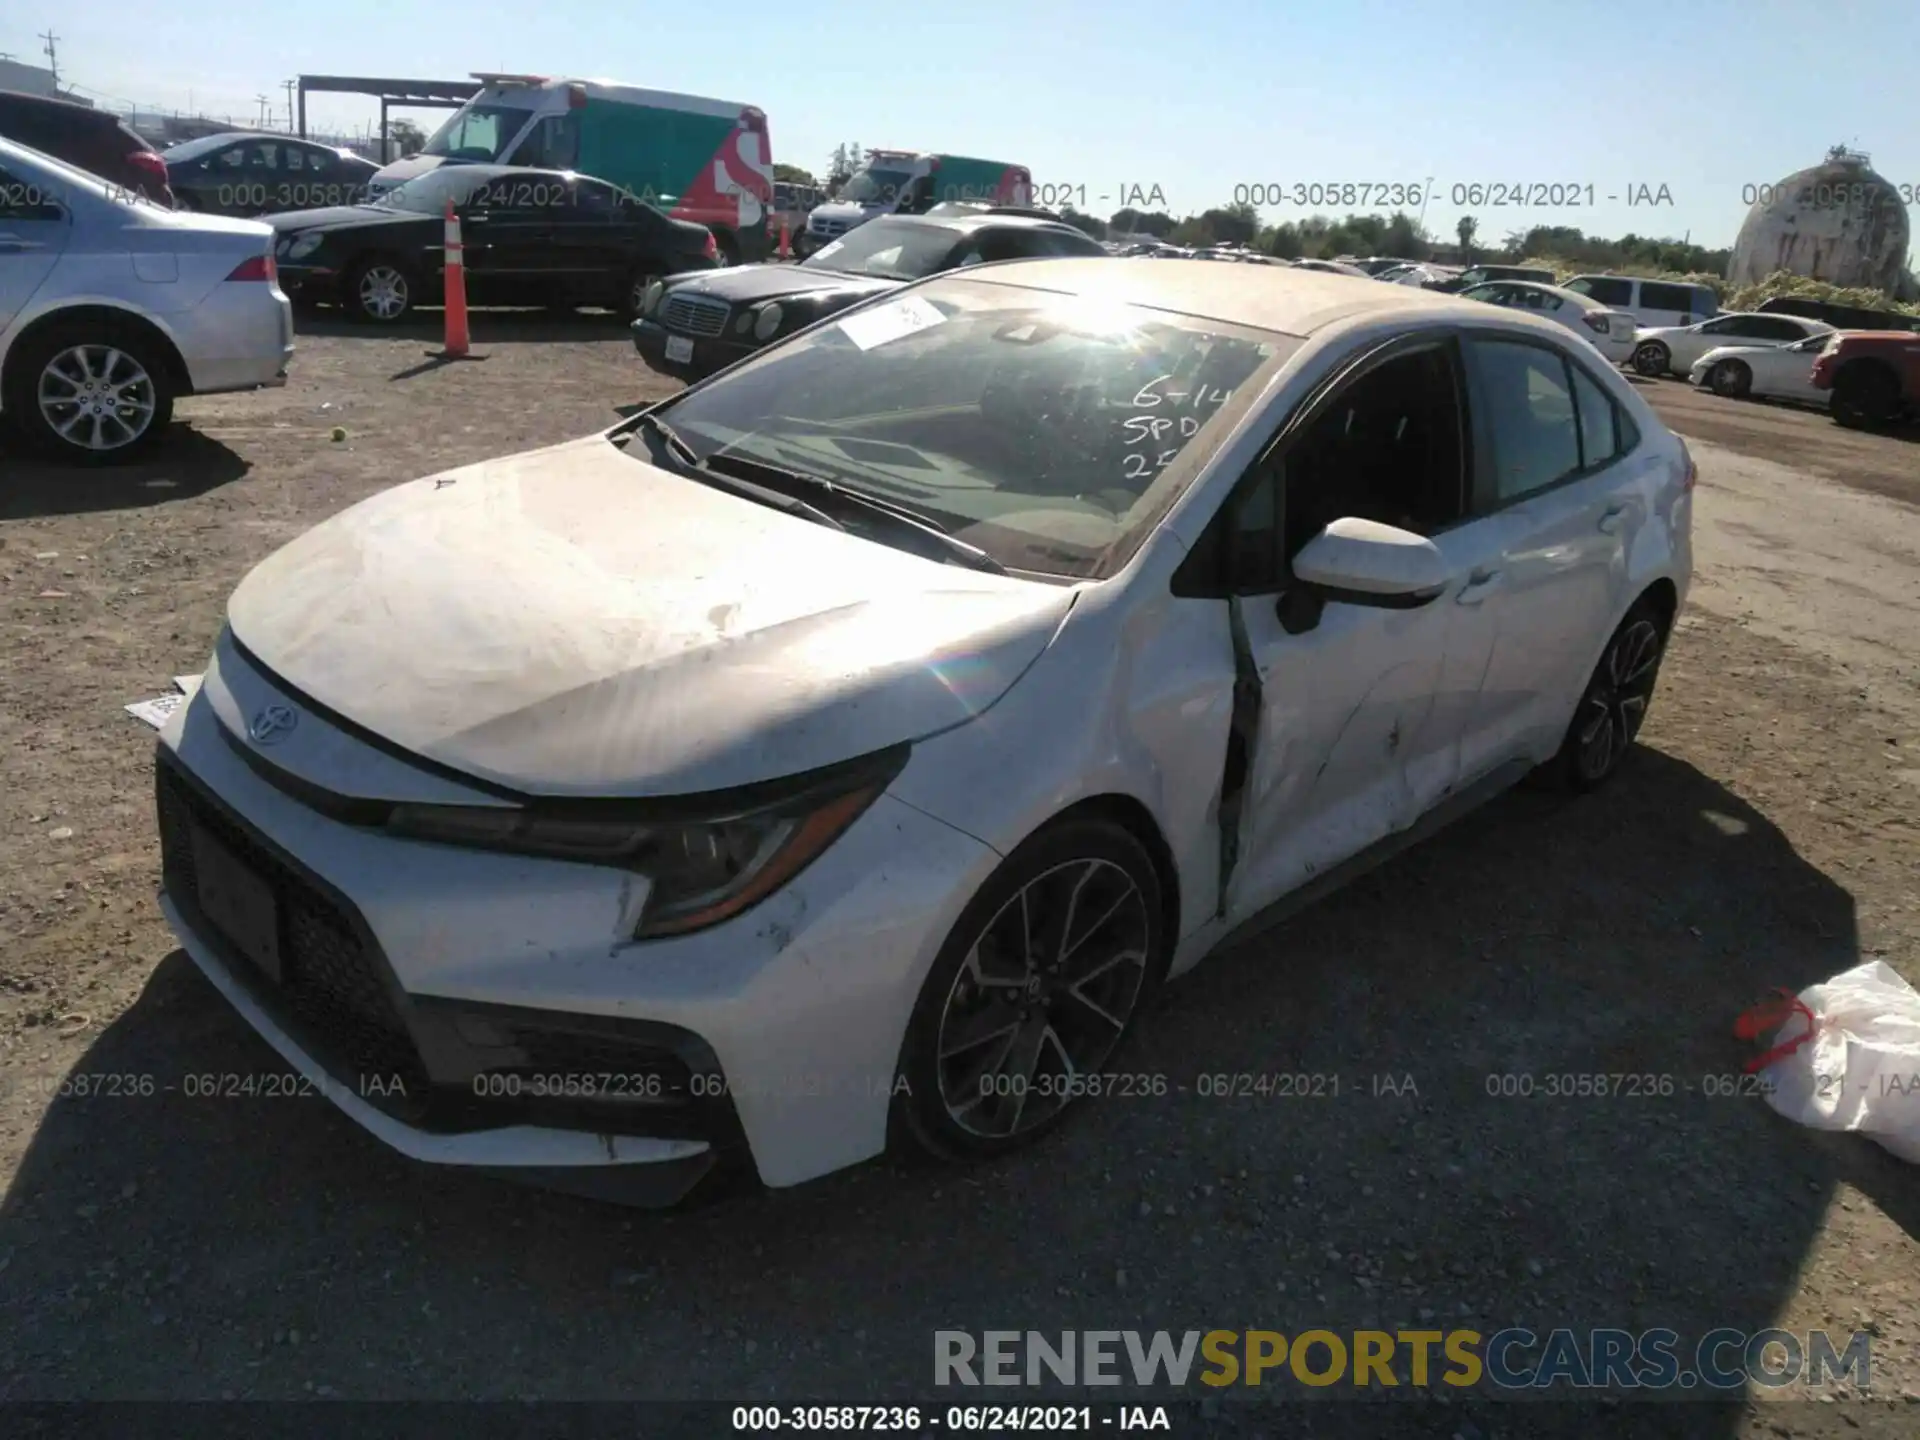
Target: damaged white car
841	752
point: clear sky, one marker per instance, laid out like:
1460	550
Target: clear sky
1703	97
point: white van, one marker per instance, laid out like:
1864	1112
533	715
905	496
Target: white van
1655	302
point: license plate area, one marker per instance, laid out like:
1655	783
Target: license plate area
238	903
679	349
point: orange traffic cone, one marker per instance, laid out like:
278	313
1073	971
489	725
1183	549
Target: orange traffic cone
786	241
455	285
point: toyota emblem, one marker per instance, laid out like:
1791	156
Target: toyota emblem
272	723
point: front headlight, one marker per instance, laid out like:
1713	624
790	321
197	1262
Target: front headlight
651	300
702	870
767	324
305	245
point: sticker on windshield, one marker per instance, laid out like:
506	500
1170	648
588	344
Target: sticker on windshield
903	317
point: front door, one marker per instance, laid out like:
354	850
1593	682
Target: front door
1362	709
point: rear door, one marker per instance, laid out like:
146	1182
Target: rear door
594	241
1561	475
34	230
509	227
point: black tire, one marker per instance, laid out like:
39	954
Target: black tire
1651	360
966	1008
376	277
1614	704
1731	379
93	427
1865	396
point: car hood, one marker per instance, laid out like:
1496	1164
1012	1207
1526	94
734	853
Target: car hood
574	621
337	217
743	283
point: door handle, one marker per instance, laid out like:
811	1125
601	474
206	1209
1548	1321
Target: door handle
1480	584
1610	519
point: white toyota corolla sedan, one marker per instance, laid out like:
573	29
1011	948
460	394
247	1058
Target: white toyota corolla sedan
842	751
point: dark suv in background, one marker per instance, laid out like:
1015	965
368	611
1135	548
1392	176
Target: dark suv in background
1841	317
88	139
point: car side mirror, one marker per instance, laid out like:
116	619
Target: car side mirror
1362	562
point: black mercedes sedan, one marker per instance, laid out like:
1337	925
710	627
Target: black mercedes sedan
693	325
529	237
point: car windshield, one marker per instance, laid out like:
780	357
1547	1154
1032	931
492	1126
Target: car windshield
477	132
875	187
1049	431
429	193
888	249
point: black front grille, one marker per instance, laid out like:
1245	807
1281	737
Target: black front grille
331	993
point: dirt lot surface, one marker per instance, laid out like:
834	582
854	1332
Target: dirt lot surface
1768	833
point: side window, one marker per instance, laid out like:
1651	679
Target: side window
24	199
1388	448
552	144
1721	327
1530	411
233	158
263	156
1599	443
1772	329
297	160
1603	288
1655	296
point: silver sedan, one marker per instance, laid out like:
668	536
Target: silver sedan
111	308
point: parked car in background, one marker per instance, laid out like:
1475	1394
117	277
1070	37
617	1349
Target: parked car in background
112	308
1330	267
532	237
697	159
1427	277
884	712
691	326
257	174
1840	317
1608	331
1672	349
88	139
1872	377
1764	372
905	182
1657	302
1481	274
1374	265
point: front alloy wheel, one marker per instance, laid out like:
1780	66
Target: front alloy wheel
1730	379
97	398
1039	982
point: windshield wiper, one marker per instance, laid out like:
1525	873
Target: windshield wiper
761	494
900	516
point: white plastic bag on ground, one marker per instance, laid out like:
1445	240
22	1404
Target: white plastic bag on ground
1861	1069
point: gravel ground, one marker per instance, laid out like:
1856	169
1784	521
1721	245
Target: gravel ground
1765	834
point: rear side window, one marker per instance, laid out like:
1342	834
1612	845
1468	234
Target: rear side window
1604	289
1771	329
1599	435
1656	296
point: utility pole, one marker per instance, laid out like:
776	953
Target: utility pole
262	102
289	86
53	59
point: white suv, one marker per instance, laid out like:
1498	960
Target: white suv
1656	302
111	308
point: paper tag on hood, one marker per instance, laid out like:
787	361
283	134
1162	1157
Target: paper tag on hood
890	322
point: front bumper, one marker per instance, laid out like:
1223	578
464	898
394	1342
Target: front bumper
708	353
460	1004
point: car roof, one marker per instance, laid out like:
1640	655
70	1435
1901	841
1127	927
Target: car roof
1284	299
201	143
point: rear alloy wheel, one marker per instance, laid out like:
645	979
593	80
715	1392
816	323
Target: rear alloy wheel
380	291
1651	360
1730	378
1615	702
91	397
1038	983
